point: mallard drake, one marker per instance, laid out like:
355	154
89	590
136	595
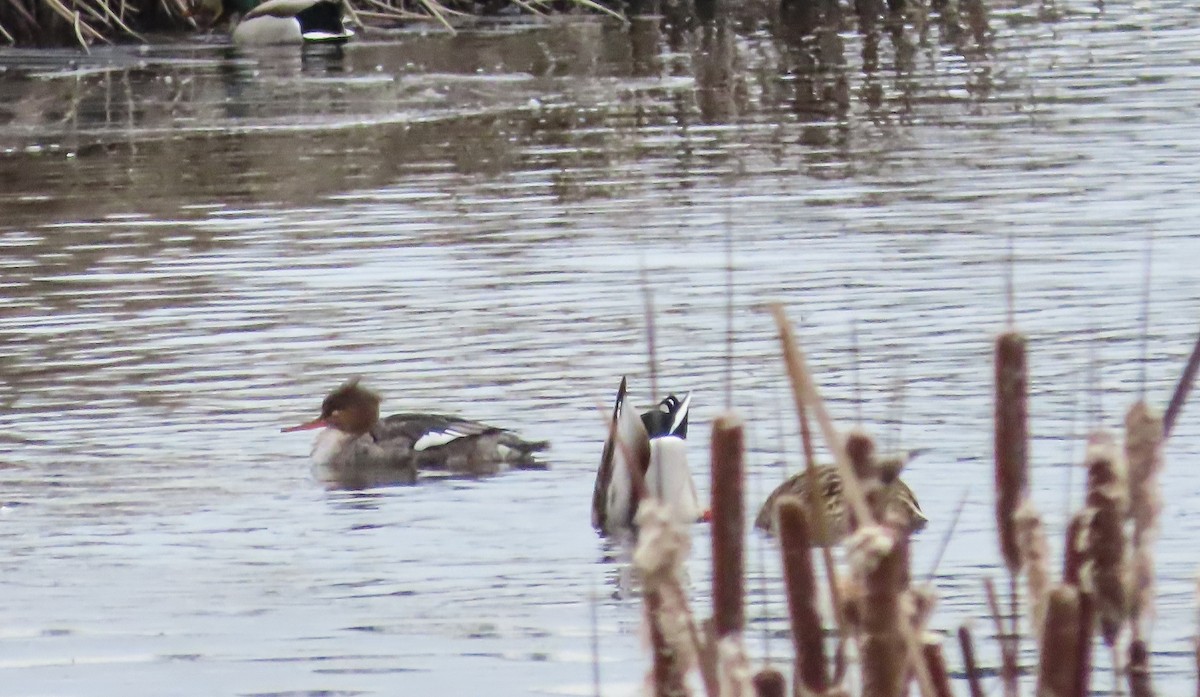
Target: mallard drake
283	21
900	505
357	449
644	455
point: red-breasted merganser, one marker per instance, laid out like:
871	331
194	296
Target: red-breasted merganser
644	456
357	449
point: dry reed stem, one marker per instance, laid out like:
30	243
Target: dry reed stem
967	645
805	395
1104	568
1009	671
1059	648
821	521
804	392
1182	388
769	682
931	649
387	9
728	525
807	637
1011	440
1035	559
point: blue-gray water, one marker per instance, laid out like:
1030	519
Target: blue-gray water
196	244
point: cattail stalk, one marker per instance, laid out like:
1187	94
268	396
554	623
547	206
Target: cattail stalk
728	525
1059	649
1009	671
936	662
879	557
1011	440
967	645
807	636
1182	388
1011	471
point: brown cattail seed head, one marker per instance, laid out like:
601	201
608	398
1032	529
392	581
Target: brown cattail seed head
728	524
860	448
769	682
1143	454
1035	558
1104	569
1139	669
1011	440
880	559
807	636
1058	670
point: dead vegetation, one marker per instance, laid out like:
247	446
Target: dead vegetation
882	646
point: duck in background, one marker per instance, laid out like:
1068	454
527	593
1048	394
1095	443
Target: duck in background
644	455
280	21
356	449
900	503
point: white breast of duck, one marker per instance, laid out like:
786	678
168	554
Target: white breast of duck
292	22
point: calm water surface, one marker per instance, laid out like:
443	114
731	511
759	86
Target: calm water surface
196	244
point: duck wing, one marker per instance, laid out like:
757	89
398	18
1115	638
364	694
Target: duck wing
423	432
620	479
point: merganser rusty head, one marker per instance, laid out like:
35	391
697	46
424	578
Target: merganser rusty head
350	408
